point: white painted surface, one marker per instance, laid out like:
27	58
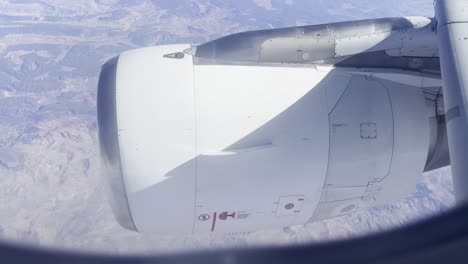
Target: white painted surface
244	107
361	135
411	143
367	43
421	41
230	148
387	169
156	124
331	194
336	85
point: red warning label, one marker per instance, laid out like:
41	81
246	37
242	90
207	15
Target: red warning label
226	215
213	224
215	218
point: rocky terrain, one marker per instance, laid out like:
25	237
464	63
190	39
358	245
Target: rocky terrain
51	193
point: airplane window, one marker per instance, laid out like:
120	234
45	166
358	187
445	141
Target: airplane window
189	141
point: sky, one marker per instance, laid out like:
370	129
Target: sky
52	194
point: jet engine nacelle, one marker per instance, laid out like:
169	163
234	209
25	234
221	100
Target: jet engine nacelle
230	148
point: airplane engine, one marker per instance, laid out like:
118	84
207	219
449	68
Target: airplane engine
202	148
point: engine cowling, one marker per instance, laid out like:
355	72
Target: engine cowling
230	148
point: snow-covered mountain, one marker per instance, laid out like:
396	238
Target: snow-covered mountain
51	193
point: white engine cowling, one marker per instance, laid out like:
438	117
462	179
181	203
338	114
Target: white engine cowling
230	148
